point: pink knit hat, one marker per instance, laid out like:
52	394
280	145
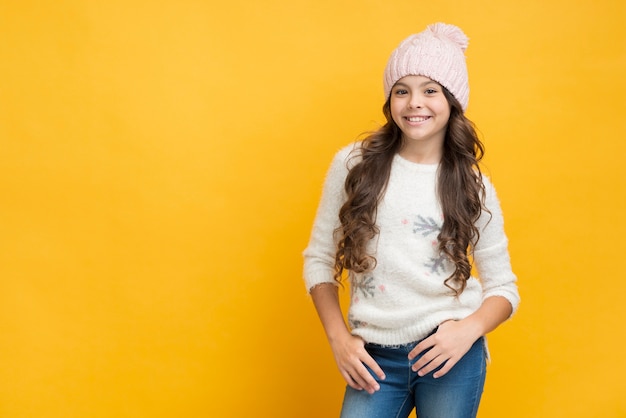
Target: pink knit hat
436	53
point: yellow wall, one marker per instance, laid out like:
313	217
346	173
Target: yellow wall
160	165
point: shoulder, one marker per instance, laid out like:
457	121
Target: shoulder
343	161
347	157
492	204
490	190
486	181
350	154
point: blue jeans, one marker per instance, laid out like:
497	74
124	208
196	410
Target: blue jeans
454	395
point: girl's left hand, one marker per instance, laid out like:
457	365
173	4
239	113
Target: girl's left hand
448	345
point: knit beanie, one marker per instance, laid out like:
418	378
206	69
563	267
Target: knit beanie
436	53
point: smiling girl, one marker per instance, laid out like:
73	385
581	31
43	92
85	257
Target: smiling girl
402	213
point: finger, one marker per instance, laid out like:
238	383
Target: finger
445	369
428	366
440	367
415	352
365	379
426	359
374	367
350	381
421	347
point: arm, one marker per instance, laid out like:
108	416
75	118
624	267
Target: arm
319	257
500	297
348	350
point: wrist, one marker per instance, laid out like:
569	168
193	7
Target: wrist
475	326
337	334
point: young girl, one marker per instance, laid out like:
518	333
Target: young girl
404	213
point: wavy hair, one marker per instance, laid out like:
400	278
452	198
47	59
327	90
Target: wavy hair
460	191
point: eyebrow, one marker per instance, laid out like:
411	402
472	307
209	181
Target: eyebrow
425	83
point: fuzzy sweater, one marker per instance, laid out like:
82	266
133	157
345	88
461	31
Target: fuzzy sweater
404	298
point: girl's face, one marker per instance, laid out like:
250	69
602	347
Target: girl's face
420	109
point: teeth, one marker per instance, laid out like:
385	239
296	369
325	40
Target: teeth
417	118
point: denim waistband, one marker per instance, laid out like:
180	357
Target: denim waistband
404	345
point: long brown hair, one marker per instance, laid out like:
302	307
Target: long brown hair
460	191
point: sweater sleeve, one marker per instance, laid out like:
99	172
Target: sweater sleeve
491	255
319	255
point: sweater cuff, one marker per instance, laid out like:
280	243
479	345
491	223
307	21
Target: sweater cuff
314	278
512	297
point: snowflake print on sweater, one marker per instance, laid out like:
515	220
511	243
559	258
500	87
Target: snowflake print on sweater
355	323
363	286
428	226
436	264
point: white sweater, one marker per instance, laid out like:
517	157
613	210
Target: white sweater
404	298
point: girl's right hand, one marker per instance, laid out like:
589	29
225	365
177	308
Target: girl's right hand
351	358
349	350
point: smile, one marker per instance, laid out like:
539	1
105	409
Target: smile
417	118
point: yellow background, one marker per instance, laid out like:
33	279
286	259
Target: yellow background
161	162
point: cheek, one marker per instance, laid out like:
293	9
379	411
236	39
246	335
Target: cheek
395	111
444	110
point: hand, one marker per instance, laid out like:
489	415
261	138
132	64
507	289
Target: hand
448	345
351	358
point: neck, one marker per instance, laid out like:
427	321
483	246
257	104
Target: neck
421	153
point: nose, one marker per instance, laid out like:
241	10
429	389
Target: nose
415	102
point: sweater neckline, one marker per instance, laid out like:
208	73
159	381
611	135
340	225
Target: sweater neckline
423	168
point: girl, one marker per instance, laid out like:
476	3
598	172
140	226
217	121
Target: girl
404	213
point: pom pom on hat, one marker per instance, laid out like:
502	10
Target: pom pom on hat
453	33
436	53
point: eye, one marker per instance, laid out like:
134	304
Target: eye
400	92
430	91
